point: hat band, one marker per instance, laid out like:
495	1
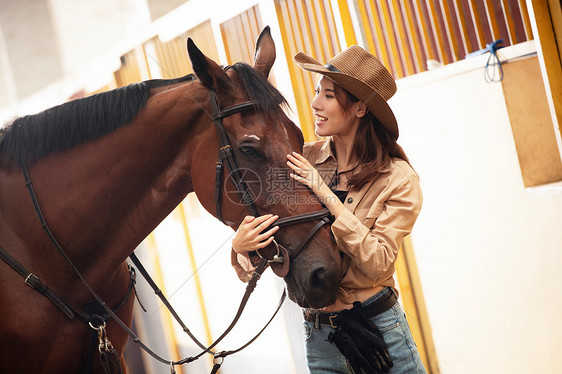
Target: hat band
332	68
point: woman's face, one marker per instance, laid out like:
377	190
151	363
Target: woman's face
331	119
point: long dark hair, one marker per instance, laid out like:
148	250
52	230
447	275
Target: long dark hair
374	145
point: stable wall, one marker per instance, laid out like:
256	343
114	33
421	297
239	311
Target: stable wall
487	248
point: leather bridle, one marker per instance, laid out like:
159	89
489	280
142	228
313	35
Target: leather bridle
280	262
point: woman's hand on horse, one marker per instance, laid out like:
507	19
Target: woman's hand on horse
304	172
251	234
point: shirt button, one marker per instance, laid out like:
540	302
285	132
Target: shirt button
349	200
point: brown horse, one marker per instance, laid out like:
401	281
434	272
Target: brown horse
107	169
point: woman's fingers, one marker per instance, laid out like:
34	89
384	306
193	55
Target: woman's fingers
304	172
265	243
265	223
299	164
294	163
251	236
267	234
260	220
299	160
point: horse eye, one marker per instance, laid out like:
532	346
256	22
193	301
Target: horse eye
249	151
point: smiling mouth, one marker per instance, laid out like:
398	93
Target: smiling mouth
320	118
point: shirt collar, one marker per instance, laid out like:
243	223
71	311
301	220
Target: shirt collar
326	153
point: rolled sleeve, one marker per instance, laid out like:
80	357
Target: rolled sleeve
242	265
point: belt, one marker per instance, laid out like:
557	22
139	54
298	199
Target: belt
375	308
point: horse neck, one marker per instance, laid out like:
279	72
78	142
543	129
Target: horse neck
116	189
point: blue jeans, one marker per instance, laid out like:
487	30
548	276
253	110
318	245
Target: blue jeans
324	357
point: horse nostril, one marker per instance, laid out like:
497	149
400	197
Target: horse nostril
322	287
318	278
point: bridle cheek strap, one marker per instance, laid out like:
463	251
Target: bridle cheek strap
226	156
280	263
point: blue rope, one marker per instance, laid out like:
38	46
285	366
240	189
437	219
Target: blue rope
493	71
493	65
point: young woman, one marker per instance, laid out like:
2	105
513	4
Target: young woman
364	178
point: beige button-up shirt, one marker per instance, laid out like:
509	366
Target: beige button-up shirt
370	231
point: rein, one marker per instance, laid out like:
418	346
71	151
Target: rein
104	343
280	263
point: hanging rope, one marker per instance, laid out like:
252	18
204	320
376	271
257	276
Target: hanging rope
493	71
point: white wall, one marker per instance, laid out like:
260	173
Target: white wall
488	250
92	35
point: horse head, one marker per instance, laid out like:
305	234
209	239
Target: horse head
255	177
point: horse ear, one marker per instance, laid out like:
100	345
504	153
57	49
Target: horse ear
265	52
209	72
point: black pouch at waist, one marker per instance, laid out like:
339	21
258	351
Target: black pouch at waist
360	340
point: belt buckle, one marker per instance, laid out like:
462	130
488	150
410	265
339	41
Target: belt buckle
331	318
31	280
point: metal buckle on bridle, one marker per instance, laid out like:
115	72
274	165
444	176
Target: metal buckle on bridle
226	151
277	258
31	280
104	343
218	358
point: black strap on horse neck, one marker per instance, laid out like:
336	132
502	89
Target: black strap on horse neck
34	282
301	218
164	300
89	315
249	289
45	226
93	314
226	155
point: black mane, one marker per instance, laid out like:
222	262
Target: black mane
76	122
269	100
67	125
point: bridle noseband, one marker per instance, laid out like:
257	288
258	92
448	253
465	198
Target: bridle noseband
280	263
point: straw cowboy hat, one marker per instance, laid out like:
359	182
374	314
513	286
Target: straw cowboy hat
364	76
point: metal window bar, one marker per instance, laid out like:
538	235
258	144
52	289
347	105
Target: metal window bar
307	26
429	45
239	35
464	26
129	72
404	34
405	44
417	43
392	40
